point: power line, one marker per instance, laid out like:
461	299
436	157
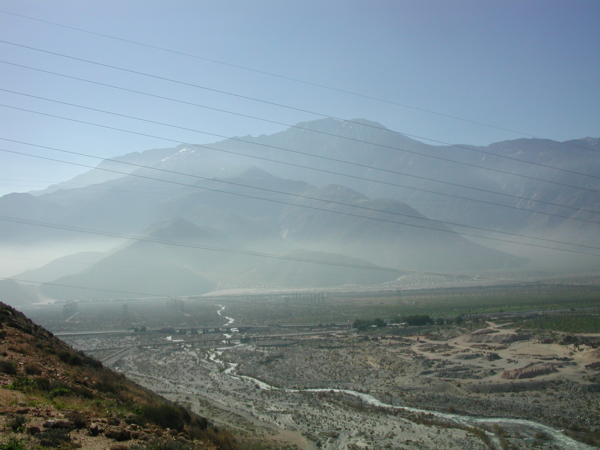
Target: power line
324	158
273	191
84	288
303	128
318	156
99	264
327	210
201	247
297	80
294	109
169	191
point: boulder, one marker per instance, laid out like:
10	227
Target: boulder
118	434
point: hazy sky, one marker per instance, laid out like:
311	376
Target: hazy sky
529	66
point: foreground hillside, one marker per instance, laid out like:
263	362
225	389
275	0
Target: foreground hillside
54	397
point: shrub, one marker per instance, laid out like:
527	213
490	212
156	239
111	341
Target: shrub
60	392
21	384
43	384
78	419
222	439
8	367
64	356
166	416
415	319
20	349
32	369
164	445
13	444
82	392
92	362
16	422
54	438
75	360
70	358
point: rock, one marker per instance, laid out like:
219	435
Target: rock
118	434
33	430
528	371
62	423
78	419
48	423
95	430
22	411
22	404
135	434
173	432
114	421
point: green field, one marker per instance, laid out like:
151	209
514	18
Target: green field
571	323
344	307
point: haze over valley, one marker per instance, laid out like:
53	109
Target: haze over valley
187	219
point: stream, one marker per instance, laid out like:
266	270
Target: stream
557	436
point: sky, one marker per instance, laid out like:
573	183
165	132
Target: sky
530	67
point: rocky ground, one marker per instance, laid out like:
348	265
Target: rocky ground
54	397
323	385
289	388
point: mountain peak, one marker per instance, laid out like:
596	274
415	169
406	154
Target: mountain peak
255	173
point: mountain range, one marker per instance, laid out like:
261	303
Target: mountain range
348	193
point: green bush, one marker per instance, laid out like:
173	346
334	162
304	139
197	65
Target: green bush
60	392
21	384
415	319
17	422
13	444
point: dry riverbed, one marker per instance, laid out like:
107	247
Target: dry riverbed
311	390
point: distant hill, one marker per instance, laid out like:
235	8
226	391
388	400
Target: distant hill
404	239
17	294
141	269
145	268
60	267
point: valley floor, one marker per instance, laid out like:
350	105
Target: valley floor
497	388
